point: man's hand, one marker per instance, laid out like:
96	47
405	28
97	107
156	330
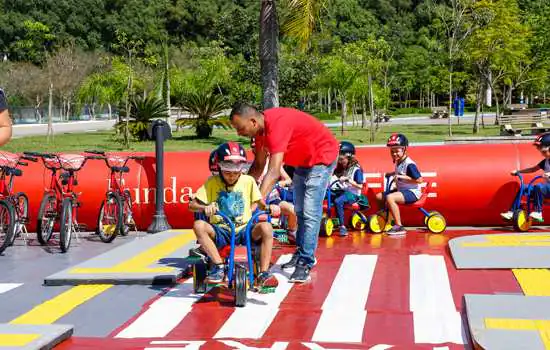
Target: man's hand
211	209
546	176
343	179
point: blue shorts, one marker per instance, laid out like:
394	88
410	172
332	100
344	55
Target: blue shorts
223	237
409	196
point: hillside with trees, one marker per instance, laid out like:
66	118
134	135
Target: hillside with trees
354	56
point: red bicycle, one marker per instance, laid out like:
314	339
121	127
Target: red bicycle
115	214
60	201
9	163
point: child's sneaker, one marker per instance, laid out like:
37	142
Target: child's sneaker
267	283
508	215
343	231
216	274
396	230
536	215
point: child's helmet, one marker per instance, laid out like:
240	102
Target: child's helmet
231	156
347	149
213	165
543	140
397	140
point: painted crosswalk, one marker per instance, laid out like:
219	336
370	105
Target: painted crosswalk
343	316
6	287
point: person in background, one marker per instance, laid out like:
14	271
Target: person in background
5	120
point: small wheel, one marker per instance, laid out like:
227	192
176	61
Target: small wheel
7	224
358	221
327	226
522	222
433	212
109	220
199	277
21	204
46	218
377	223
66	227
128	217
436	223
241	285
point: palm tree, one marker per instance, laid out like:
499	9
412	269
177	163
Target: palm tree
142	112
300	25
205	109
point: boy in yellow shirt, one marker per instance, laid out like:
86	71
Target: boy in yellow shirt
237	196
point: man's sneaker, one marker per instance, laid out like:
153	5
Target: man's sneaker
536	215
292	263
343	231
396	230
301	273
267	283
216	274
197	252
508	215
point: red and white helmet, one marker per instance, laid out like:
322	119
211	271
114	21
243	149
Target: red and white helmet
397	140
231	156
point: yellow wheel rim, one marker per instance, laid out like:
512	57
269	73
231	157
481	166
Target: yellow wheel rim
329	226
523	221
377	223
436	224
108	229
357	222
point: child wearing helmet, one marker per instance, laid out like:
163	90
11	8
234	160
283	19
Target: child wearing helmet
407	179
237	196
540	190
349	183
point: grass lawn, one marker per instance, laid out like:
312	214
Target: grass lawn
185	140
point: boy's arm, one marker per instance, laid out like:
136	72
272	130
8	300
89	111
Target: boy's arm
527	170
413	175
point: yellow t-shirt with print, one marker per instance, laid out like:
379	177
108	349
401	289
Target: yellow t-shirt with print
234	201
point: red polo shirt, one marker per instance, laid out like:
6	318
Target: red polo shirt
303	139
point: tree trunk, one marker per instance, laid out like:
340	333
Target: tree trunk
363	112
344	112
450	98
497	115
371	102
110	110
269	51
128	95
479	94
49	133
167	81
329	102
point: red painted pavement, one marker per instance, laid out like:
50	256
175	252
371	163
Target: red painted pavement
389	320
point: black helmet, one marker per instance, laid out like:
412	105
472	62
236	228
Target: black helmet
398	140
213	162
542	141
347	149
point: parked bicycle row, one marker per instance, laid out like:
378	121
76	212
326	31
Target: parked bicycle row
60	202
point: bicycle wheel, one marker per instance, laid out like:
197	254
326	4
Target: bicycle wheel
109	220
7	224
21	202
66	227
128	216
46	218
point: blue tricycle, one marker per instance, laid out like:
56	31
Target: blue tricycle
241	262
523	204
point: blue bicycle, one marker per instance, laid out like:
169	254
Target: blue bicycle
241	262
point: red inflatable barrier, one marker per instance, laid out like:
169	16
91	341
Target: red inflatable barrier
471	184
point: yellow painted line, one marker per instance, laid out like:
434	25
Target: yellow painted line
512	241
533	282
140	262
542	326
17	339
53	309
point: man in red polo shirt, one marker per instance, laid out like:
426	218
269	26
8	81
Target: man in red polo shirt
297	139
